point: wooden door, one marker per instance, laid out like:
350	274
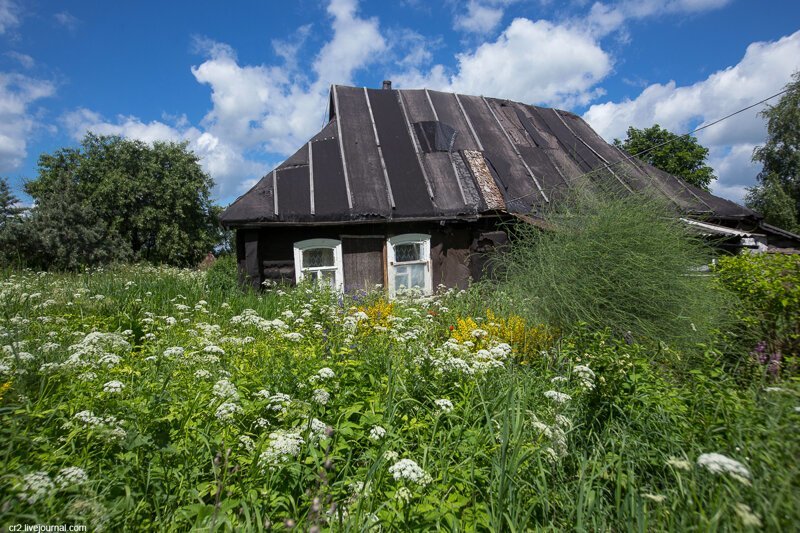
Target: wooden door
363	259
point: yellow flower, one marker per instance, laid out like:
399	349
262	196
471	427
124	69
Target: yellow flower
378	313
4	388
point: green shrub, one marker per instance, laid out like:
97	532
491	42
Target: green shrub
768	286
611	261
223	274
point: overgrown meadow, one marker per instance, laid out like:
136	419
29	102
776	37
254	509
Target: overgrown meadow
142	398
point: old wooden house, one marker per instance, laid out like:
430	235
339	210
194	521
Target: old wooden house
407	188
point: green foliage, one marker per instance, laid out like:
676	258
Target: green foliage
780	157
618	452
11	230
623	262
680	155
768	286
64	232
770	199
223	275
8	203
133	201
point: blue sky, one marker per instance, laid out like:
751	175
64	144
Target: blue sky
246	83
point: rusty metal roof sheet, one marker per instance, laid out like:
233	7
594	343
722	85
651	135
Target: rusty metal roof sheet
419	154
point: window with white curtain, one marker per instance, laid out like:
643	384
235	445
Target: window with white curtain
319	260
408	258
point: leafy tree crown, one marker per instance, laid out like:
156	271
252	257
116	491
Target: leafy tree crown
680	155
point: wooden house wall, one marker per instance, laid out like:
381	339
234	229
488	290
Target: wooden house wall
458	250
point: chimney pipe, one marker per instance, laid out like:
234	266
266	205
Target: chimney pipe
387	85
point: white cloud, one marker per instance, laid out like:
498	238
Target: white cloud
9	15
288	49
225	162
765	68
479	18
604	19
17	122
532	62
736	169
355	43
23	59
82	120
67	19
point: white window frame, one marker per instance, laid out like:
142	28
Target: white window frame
425	250
310	244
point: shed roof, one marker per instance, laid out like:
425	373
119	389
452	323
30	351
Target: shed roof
391	155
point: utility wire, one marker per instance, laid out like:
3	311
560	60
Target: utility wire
630	157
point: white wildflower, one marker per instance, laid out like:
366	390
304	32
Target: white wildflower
202	374
283	446
558	379
226	411
113	386
226	390
325	373
293	336
318	427
390	455
174	351
563	421
409	470
246	443
585	375
70	477
551	454
479	333
321	396
444	405
35	486
543	428
279	402
680	464
716	463
49	347
377	433
558	397
403	494
214	350
746	514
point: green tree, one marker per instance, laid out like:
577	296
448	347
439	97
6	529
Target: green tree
771	200
127	199
777	195
65	232
8	202
680	155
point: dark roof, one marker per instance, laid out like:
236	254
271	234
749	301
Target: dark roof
419	154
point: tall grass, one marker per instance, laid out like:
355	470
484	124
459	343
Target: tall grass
491	458
619	261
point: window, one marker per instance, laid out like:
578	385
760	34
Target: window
409	262
319	260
